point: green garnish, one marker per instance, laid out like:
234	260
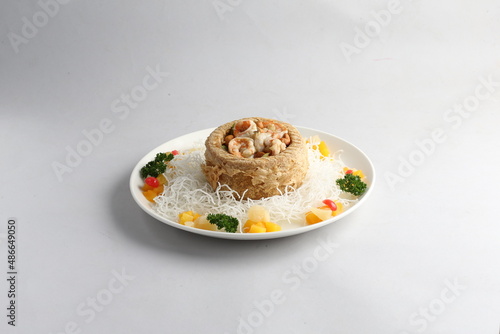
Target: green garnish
352	184
223	221
157	166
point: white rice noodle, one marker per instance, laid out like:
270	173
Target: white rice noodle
188	190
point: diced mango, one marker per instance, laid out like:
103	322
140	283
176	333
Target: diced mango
340	208
162	179
247	225
185	217
146	187
150	195
359	173
322	213
323	149
272	227
188	216
257	228
159	190
311	218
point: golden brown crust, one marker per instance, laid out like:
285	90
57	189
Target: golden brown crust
255	178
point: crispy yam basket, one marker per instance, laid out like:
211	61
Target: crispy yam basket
255	178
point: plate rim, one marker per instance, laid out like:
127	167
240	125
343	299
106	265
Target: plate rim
245	236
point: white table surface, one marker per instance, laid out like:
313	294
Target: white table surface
420	256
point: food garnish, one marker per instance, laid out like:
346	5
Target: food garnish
152	173
352	183
319	214
296	205
223	221
152	181
259	221
331	204
157	166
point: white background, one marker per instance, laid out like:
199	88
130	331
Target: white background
420	256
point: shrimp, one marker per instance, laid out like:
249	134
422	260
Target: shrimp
245	128
277	146
262	141
242	147
275	129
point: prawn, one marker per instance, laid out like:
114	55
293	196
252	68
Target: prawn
262	141
242	147
244	128
277	146
273	128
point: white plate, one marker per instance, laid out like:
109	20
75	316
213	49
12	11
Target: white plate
352	156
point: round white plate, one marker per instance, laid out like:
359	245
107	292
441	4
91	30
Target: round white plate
352	156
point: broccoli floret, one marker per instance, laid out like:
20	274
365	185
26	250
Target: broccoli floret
157	166
223	221
352	184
